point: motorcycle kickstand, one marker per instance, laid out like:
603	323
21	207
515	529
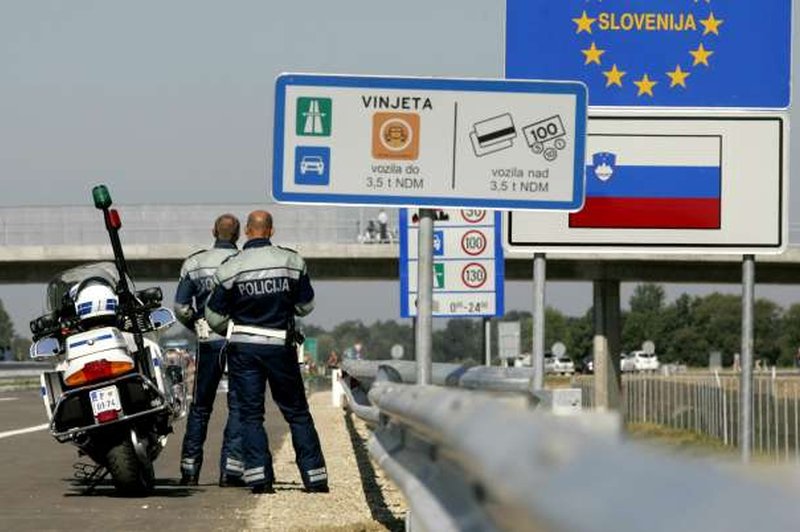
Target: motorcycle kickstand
91	474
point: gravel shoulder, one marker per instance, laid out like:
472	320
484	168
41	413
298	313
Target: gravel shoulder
361	498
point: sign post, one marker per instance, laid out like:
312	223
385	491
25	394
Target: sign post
539	272
424	331
746	385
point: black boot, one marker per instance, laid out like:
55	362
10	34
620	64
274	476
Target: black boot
189	480
262	488
226	481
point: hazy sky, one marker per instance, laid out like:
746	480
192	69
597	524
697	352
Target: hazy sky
171	101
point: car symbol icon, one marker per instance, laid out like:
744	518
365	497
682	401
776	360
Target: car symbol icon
312	163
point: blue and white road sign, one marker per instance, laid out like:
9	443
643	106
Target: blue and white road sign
684	53
312	165
467	263
422	142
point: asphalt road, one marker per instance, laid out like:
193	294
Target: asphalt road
38	492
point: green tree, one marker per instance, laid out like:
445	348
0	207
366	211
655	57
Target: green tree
459	341
645	319
790	335
20	347
385	334
6	329
647	298
767	330
580	335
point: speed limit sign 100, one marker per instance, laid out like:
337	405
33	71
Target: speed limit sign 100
473	242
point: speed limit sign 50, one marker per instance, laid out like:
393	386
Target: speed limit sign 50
473	216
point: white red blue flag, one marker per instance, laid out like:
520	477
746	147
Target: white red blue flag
655	182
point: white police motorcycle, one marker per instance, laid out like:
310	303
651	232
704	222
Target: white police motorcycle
109	393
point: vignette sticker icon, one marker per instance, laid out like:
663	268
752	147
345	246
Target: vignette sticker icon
395	136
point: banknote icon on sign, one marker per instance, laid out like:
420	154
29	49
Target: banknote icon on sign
546	137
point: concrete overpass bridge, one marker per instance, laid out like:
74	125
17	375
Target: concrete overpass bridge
38	242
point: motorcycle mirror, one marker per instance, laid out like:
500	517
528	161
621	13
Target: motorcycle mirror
101	197
150	296
45	348
162	318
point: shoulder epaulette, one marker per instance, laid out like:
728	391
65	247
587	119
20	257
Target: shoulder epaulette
287	249
199	251
229	257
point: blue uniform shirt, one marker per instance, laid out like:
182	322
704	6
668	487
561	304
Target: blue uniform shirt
263	286
197	280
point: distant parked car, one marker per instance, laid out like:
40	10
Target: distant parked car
645	362
627	363
558	366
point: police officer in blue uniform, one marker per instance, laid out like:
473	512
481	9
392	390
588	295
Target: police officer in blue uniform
256	296
197	276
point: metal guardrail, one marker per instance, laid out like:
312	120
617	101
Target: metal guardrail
471	461
22	370
488	379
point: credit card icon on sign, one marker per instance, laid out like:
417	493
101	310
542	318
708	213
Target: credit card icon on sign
493	135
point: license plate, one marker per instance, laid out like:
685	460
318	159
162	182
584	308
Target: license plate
105	399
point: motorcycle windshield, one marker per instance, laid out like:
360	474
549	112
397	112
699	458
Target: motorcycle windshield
61	283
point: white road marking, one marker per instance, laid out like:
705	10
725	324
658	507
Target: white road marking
26	430
8	398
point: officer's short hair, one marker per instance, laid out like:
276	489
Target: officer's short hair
259	221
226	228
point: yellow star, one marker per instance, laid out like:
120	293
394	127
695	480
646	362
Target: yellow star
701	55
584	23
593	54
678	77
711	24
645	86
614	76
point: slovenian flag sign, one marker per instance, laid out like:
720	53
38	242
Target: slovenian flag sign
659	182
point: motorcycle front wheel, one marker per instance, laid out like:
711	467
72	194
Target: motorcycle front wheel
131	477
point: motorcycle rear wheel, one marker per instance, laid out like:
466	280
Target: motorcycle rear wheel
131	477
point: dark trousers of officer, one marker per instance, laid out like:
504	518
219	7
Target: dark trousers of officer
251	366
209	367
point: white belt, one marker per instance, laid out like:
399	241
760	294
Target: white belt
255	331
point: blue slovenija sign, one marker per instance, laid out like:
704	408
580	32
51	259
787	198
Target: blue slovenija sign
683	53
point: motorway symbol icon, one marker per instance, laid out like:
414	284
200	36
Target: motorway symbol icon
314	117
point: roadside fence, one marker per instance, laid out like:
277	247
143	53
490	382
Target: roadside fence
709	404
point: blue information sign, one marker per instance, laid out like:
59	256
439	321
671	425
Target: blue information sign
467	263
683	53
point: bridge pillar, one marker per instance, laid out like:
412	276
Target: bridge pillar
607	387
